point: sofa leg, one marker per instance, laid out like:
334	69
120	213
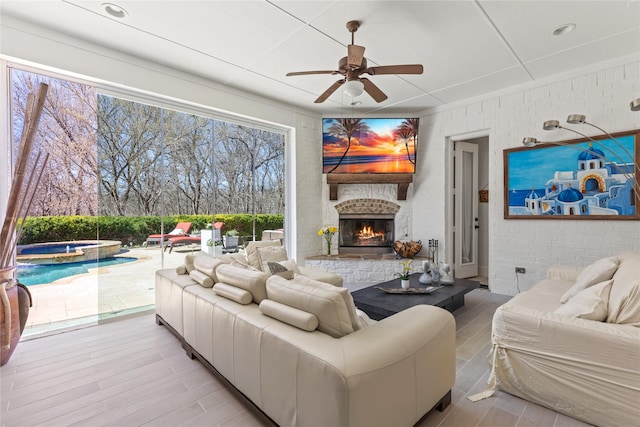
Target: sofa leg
444	402
188	350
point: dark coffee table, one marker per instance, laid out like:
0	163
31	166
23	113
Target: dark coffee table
378	304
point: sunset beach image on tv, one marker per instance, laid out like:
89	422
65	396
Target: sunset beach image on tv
372	145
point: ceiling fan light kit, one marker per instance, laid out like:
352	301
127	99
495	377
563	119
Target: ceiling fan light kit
353	88
352	66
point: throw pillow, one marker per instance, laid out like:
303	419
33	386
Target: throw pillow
270	254
251	251
624	303
188	263
181	269
597	272
290	264
591	303
201	278
289	315
280	270
327	305
234	294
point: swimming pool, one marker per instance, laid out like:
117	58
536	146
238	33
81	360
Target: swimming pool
51	249
67	252
38	274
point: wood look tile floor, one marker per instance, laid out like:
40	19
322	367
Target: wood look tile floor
131	372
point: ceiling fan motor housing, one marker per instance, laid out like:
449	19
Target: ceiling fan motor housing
343	65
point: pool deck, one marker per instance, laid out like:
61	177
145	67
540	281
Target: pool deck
88	298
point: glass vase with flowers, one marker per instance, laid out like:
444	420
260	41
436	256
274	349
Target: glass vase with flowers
327	233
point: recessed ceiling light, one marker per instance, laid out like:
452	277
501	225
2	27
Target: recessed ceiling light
114	10
564	29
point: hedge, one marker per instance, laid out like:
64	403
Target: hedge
135	229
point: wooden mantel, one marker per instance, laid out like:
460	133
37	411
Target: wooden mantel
402	179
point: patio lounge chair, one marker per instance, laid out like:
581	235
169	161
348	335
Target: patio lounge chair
181	240
181	229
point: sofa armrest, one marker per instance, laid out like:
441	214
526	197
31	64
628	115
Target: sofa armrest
582	368
399	336
568	273
389	373
579	343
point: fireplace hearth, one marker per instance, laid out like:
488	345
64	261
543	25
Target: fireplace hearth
366	233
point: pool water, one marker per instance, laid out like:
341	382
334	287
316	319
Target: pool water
52	249
37	274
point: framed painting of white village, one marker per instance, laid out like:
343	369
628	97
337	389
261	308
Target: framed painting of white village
595	178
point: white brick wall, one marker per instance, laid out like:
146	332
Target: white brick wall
358	272
602	95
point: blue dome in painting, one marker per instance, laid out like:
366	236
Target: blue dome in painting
533	195
570	195
591	153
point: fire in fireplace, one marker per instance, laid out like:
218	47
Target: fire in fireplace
368	233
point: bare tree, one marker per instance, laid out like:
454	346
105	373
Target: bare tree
111	156
67	132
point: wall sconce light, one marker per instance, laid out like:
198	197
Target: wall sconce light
581	119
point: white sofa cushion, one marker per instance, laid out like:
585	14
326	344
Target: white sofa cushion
356	322
207	264
328	305
249	280
591	303
233	293
624	303
598	272
290	315
624	300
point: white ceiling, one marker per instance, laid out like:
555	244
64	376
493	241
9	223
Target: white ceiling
468	47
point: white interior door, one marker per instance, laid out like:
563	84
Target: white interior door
466	209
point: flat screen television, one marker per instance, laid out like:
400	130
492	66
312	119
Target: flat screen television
371	145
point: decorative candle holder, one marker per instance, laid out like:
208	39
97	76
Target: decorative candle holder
425	277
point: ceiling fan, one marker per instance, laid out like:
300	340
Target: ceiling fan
353	66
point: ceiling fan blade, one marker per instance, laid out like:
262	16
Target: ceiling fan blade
327	93
373	90
305	73
355	54
395	69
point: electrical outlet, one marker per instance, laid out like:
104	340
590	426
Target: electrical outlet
521	270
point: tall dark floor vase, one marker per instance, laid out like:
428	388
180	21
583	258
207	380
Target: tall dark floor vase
14	310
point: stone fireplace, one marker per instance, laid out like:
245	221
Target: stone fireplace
366	226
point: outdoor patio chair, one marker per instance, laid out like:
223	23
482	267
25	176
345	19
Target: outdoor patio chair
181	240
181	229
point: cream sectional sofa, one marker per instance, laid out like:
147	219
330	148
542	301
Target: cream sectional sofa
299	350
572	342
